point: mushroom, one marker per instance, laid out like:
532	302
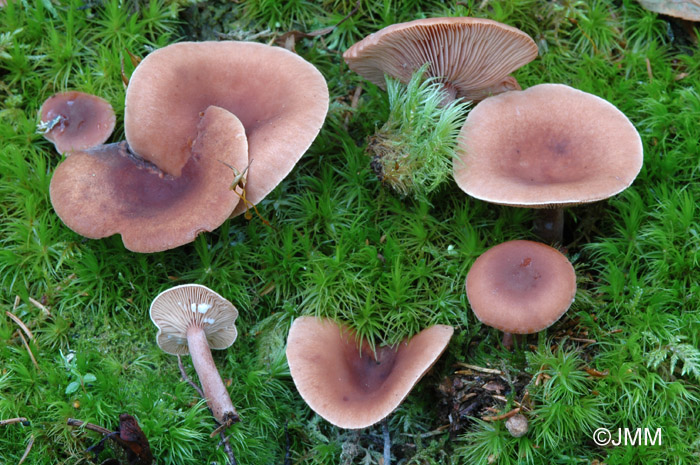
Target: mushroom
471	56
280	98
193	319
520	287
547	147
76	121
347	383
684	9
192	111
108	190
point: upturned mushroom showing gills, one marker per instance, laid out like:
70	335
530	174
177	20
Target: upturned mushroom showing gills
547	147
192	319
196	116
520	287
472	57
76	121
348	384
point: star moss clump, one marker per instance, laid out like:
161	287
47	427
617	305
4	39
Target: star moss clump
412	153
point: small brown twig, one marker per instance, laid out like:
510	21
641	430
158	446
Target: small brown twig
13	420
31	355
26	451
21	324
480	369
503	416
90	426
227	448
183	373
40	306
596	373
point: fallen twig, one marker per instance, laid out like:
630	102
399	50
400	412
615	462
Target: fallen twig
21	324
503	416
31	355
183	373
26	451
90	426
40	306
480	369
14	420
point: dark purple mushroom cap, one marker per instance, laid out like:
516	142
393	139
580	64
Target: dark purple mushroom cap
345	383
107	190
521	287
76	121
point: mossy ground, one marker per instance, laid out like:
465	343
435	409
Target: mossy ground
342	246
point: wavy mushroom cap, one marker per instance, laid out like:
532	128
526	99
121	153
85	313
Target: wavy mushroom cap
76	121
521	287
107	190
472	56
280	98
348	385
548	146
176	309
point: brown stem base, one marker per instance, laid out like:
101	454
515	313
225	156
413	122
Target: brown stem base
549	225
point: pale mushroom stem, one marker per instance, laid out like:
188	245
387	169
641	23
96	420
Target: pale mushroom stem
549	225
215	392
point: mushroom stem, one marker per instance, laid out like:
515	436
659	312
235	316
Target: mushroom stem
549	225
215	392
387	442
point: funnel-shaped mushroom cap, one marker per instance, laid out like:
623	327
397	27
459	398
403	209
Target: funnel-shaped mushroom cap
280	98
472	56
521	287
107	190
76	121
176	309
346	384
549	145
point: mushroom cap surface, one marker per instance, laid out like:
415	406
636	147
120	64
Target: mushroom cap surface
345	384
474	56
176	309
280	98
84	121
684	9
521	287
106	190
548	146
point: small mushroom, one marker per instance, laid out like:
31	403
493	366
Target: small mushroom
347	383
472	57
194	319
76	121
547	147
520	287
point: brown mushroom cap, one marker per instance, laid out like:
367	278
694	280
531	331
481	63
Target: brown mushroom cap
76	121
521	287
684	9
347	385
473	56
280	98
176	309
548	146
107	190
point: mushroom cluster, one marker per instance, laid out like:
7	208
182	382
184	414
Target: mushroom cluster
197	115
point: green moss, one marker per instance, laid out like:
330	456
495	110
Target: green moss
342	246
